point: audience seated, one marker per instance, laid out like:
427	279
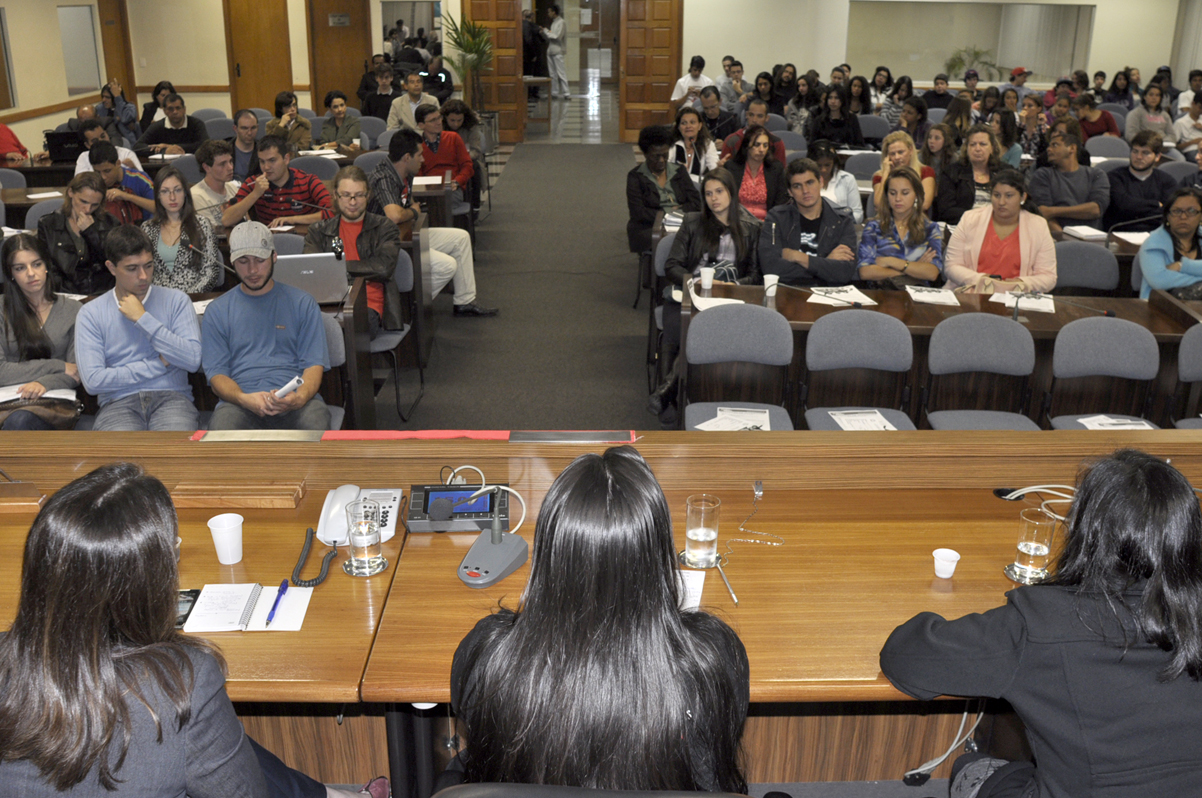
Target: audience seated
784	84
839	187
1005	129
1101	662
765	92
11	148
1011	102
971	79
91	132
152	109
246	145
882	86
903	89
339	130
959	116
1067	192
1001	246
859	96
451	257
835	123
692	146
368	83
459	118
1062	87
401	113
966	183
688	88
379	102
443	152
438	81
1186	97
37	350
288	123
213	194
806	241
914	119
74	237
759	176
182	242
136	344
113	105
757	116
1094	121
1141	190
257	338
87	113
901	246
938	97
129	192
897	152
938	152
280	195
1171	257
656	185
1121	91
732	90
1033	128
1188	128
802	107
176	133
991	100
680	691
720	122
368	242
1018	80
1150	116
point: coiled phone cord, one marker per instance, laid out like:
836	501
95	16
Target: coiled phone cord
304	556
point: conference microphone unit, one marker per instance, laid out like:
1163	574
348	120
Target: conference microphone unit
496	553
1130	222
1056	300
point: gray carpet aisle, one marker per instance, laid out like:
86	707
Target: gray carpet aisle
567	350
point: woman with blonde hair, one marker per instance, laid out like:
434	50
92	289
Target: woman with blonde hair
74	237
898	151
901	246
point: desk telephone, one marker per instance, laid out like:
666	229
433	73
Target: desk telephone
331	529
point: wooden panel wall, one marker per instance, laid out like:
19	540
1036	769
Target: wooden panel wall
502	85
114	36
309	738
352	44
257	47
649	60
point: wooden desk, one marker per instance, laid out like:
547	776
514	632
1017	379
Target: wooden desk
17	202
436	203
42	174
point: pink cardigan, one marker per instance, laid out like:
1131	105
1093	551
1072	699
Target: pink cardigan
1037	269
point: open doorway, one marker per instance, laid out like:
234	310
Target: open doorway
600	36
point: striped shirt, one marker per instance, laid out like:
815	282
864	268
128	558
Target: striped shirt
387	188
294	198
139	184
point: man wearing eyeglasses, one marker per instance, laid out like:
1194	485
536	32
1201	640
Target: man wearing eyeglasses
369	243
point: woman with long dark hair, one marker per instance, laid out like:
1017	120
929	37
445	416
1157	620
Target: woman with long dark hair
938	151
631	692
152	109
859	96
339	130
174	229
802	107
692	146
74	237
37	351
991	100
903	89
901	246
959	117
1006	130
100	694
913	119
1151	116
760	178
1120	90
1102	661
835	122
765	90
882	85
839	187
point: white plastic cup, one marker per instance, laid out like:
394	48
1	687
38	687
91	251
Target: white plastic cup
770	281
945	562
707	277
227	537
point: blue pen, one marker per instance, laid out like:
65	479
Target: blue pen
276	605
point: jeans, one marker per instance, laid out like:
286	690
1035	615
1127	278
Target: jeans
156	411
451	261
24	420
313	416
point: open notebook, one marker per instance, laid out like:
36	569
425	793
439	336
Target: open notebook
244	608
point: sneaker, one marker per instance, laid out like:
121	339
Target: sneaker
472	309
377	788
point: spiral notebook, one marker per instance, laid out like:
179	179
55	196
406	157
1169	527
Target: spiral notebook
244	608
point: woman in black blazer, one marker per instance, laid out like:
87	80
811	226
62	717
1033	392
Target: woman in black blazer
150	109
644	196
759	176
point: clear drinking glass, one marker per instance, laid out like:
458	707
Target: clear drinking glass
363	533
701	531
1035	530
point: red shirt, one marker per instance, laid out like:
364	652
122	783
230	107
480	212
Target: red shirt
1000	256
753	193
1105	124
295	198
452	154
349	233
10	143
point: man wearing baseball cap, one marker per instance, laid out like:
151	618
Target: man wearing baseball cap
1018	76
257	337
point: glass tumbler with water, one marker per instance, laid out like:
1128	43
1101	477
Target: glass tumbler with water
363	534
701	531
1035	531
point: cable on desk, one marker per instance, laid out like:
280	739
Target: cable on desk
304	556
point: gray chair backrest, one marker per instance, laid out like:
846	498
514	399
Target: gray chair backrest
370	160
308	113
1189	355
316	165
1115	110
743	333
873	126
289	244
372	127
855	338
383	139
34	214
1108	147
335	343
1080	264
776	123
863	165
935	115
1137	275
220	128
1173	155
190	168
662	251
11	178
1180	170
205	114
791	140
262	127
1120	121
1101	346
1110	164
261	113
404	271
981	342
3	215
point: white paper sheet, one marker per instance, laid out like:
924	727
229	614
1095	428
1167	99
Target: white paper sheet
701	303
839	295
9	392
933	296
200	305
861	420
429	180
1136	239
162	156
692	583
44	195
1038	303
12	231
323	154
283	228
1104	422
1085	232
737	419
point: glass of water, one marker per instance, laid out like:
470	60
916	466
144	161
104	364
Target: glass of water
701	531
1035	530
363	533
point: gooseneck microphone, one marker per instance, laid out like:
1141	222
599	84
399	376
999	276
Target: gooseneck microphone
496	553
1133	222
1055	300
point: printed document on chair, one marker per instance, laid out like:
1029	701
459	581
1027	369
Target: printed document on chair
1034	302
861	420
839	295
1106	422
736	419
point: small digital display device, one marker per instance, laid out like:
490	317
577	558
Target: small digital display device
471	516
480	504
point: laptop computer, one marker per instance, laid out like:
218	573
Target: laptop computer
63	145
319	274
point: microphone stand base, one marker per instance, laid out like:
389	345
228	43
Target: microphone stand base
487	563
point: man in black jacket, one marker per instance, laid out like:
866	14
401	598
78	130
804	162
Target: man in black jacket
720	123
175	135
367	83
806	241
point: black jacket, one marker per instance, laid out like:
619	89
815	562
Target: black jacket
149	109
689	247
782	229
957	192
190	136
642	200
77	272
380	242
367	85
774	180
726	124
845	131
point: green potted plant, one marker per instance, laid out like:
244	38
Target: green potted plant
473	54
971	57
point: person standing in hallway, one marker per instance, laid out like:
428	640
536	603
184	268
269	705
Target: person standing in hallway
557	39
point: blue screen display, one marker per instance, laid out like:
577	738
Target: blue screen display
480	504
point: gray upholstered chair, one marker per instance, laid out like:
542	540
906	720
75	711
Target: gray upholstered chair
1189	370
655	315
1080	264
874	128
388	341
34	214
371	127
220	128
791	140
1108	147
190	168
1180	170
1102	347
776	123
317	165
289	244
336	346
11	178
863	165
205	114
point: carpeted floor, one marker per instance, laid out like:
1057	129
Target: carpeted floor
567	350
